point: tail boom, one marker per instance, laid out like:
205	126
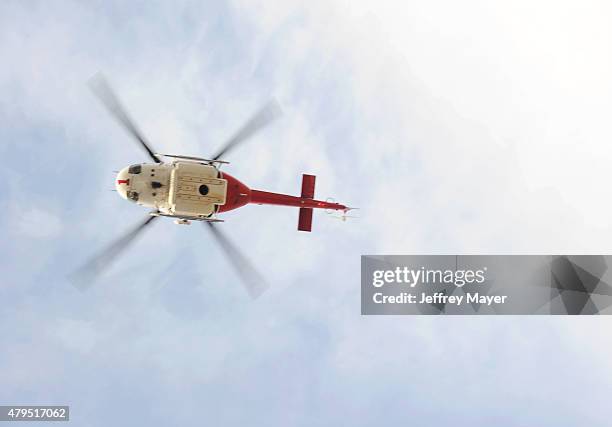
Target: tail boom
266	198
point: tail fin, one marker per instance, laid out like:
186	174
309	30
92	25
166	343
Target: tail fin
308	189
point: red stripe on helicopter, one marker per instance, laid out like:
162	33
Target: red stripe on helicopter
123	181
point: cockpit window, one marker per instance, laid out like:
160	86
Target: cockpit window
132	195
135	169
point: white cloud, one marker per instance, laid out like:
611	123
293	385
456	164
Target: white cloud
453	127
39	224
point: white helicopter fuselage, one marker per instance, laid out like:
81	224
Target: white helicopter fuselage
181	188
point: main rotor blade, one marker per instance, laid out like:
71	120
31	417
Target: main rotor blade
87	274
266	115
106	95
254	283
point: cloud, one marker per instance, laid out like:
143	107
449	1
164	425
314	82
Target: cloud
39	224
453	126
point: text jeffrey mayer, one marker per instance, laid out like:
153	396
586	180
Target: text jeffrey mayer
469	298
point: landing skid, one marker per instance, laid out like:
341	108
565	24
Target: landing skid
185	220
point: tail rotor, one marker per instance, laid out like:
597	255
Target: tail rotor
343	215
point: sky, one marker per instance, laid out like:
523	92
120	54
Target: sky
467	127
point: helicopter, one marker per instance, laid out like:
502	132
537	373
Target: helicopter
194	189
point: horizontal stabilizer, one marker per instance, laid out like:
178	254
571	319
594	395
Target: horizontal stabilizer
305	220
308	186
308	189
